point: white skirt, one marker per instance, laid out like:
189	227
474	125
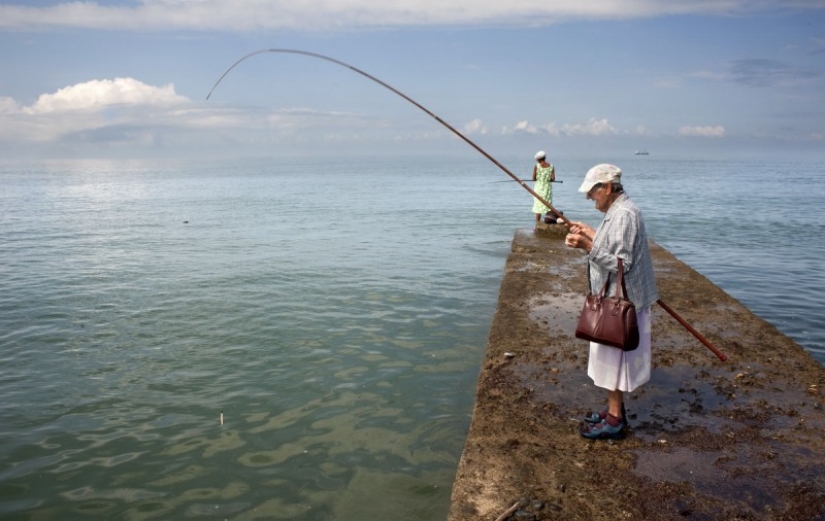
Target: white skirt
617	370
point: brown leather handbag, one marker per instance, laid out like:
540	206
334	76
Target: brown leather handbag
609	320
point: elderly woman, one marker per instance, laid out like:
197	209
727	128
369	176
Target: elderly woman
621	234
543	174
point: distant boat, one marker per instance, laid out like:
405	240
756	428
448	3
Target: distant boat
642	153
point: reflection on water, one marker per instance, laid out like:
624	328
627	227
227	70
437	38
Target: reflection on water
342	353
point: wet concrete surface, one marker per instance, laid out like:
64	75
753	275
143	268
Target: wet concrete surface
741	439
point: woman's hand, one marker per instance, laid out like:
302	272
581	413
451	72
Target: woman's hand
579	228
580	236
577	240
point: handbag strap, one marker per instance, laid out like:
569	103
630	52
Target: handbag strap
603	292
589	283
623	296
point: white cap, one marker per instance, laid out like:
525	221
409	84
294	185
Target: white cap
540	155
603	173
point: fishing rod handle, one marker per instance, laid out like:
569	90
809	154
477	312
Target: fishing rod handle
695	333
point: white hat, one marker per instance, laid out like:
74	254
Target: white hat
540	155
603	173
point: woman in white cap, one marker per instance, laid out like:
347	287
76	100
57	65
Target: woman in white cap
543	174
621	234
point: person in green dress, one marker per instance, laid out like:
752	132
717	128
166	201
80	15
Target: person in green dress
543	174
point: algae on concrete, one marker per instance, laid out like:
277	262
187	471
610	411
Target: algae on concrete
742	439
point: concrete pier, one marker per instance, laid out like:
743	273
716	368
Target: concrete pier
742	439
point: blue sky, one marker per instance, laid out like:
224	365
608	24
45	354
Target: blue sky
708	78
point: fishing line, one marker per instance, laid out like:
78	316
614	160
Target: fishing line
393	89
566	221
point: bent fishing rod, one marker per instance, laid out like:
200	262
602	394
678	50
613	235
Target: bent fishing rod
523	184
393	89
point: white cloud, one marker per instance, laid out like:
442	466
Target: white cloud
525	126
8	105
475	126
99	94
706	131
245	15
92	106
125	112
762	72
593	127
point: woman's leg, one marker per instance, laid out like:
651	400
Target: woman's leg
614	403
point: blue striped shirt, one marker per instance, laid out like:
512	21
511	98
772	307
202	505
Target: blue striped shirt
622	234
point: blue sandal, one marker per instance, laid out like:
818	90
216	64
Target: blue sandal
603	430
596	417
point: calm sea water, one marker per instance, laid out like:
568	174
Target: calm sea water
335	317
